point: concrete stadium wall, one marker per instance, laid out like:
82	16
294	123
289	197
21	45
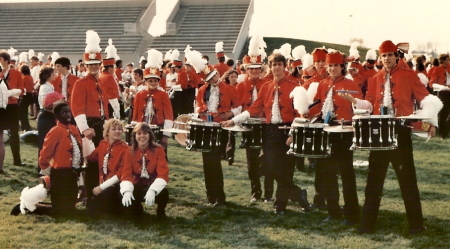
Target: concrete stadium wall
110	3
203	2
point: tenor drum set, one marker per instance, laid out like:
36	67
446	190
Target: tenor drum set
312	140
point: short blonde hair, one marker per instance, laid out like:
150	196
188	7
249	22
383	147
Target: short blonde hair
111	123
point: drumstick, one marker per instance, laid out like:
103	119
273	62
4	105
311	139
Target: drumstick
346	91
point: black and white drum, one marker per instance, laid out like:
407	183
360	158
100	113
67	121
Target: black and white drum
254	138
309	140
374	132
129	130
203	136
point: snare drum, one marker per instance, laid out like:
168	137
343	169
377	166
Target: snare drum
203	136
254	138
129	130
374	132
309	140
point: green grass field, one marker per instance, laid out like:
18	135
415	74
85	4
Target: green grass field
192	223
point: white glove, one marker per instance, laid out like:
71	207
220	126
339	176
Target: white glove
116	107
150	197
126	199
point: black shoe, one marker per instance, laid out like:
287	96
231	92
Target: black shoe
417	230
365	230
161	214
219	204
304	201
2	172
19	164
230	161
16	210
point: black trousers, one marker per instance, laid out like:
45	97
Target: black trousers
13	123
64	191
183	102
212	169
403	163
340	163
444	96
281	165
91	176
23	111
108	202
257	166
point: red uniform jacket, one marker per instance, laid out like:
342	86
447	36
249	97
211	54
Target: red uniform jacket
263	104
222	68
161	106
13	81
228	99
316	77
110	85
187	80
28	84
342	108
87	94
155	161
438	76
119	157
119	72
405	88
57	84
245	91
58	146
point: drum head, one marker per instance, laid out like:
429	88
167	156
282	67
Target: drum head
181	122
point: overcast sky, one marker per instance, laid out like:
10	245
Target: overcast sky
337	21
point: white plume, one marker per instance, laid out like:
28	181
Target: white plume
141	59
32	196
285	50
168	55
12	51
30	53
92	42
40	56
187	50
111	51
23	57
15	58
154	59
354	50
331	50
312	91
307	60
277	51
371	54
408	57
55	56
197	62
219	47
298	52
300	99
175	55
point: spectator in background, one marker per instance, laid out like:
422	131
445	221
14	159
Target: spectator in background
27	98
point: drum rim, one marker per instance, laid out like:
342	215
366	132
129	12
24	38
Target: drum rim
356	117
310	125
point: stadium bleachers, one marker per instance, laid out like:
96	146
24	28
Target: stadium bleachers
201	26
64	29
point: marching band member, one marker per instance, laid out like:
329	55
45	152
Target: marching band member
335	108
153	106
62	144
439	78
146	178
393	91
89	104
130	92
248	91
107	78
221	66
112	155
64	82
273	101
221	102
13	79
